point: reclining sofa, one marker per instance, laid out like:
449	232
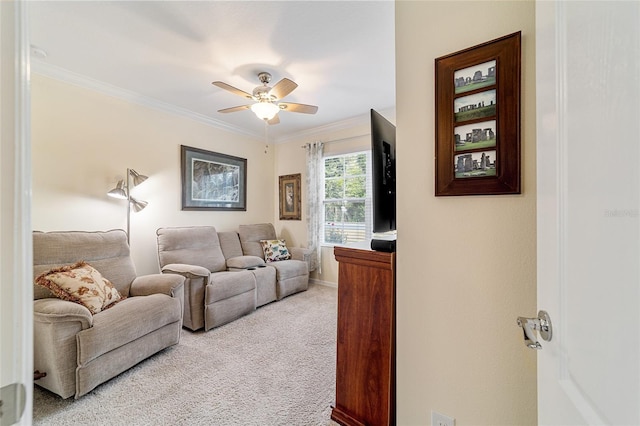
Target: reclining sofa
226	276
76	349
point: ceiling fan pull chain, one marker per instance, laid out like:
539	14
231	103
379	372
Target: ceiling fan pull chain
266	136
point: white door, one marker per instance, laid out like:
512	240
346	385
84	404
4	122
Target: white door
588	157
16	290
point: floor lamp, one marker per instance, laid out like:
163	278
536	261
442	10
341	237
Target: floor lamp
122	191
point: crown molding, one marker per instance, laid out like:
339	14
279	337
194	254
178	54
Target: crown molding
79	80
349	123
66	76
321	130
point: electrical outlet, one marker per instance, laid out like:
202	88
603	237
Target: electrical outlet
438	419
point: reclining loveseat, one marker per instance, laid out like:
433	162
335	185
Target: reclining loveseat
226	273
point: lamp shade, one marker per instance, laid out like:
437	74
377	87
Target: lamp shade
137	178
123	191
119	191
265	110
138	205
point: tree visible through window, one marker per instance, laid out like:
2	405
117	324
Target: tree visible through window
347	205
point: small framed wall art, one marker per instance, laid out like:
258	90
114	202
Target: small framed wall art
478	119
212	181
290	197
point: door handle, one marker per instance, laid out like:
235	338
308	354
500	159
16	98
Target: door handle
13	398
541	324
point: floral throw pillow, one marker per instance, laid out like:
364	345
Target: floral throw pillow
275	250
81	283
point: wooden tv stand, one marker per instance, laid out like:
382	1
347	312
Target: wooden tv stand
365	361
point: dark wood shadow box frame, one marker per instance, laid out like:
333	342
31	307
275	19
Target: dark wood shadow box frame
478	119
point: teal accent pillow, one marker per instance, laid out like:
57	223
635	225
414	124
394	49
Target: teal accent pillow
275	250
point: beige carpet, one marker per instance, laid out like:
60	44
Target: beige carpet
273	367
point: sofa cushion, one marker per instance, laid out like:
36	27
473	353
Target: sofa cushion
80	283
244	262
250	236
230	244
195	245
107	251
290	268
275	250
125	322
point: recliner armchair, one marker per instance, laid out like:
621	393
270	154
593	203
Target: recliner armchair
77	350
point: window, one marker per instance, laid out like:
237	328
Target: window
347	198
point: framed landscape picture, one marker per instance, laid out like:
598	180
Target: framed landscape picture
290	197
475	77
475	136
212	181
478	119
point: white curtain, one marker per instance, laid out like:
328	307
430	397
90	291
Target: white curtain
314	182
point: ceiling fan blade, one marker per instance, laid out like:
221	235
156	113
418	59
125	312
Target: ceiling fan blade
274	120
236	108
283	88
293	107
232	89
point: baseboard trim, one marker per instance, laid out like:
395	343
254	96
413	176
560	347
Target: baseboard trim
324	283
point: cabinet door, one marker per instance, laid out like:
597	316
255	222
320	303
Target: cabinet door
364	373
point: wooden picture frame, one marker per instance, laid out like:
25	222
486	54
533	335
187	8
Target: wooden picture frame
290	197
478	119
212	181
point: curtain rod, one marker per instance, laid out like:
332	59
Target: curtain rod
338	140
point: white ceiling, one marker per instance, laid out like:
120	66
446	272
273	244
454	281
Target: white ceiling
167	53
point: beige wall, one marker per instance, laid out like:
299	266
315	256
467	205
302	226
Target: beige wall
466	265
82	140
290	160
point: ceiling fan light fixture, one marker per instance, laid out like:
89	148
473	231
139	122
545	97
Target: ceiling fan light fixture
265	110
267	99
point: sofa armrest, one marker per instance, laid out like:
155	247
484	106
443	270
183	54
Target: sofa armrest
168	284
56	324
244	262
53	310
187	271
196	278
304	254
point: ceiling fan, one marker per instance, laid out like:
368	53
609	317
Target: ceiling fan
266	98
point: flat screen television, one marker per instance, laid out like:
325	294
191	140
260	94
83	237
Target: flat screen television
383	182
